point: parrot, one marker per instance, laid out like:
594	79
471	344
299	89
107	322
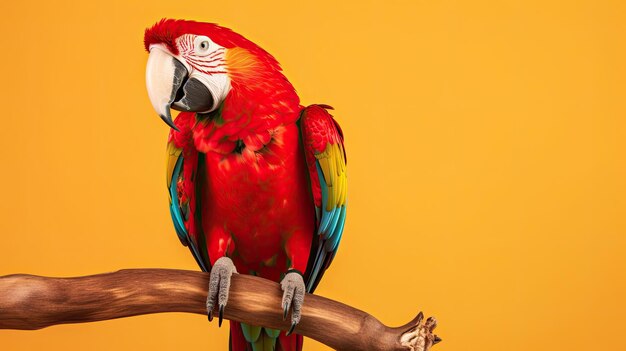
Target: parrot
256	181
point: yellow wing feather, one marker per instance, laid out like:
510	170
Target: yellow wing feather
333	165
171	157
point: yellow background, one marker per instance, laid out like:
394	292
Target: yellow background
486	147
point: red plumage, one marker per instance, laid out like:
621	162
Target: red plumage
249	178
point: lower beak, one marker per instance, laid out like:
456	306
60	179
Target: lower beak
164	77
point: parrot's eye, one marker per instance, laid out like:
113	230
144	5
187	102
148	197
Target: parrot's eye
202	45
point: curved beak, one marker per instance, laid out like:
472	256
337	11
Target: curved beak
164	76
170	86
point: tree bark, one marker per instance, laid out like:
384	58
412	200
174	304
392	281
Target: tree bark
34	302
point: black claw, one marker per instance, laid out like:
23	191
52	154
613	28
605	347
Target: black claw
221	316
285	311
437	339
293	326
211	315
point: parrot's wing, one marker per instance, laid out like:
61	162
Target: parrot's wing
182	169
326	159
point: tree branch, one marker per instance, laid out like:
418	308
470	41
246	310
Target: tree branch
34	302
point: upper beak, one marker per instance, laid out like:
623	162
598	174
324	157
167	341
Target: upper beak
171	86
164	76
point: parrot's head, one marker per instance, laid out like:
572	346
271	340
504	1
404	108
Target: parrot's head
194	66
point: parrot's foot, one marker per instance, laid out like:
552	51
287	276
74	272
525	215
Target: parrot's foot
219	284
293	297
420	337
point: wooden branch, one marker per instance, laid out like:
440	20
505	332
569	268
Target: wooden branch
34	302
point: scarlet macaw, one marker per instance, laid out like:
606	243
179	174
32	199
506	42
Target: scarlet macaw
257	182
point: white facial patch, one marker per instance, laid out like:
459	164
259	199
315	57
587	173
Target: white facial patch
205	60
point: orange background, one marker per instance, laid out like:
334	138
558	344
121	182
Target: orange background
486	147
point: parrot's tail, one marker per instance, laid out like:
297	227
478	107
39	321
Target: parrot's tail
244	337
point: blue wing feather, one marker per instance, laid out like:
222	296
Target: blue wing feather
331	213
177	215
333	243
330	231
175	211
